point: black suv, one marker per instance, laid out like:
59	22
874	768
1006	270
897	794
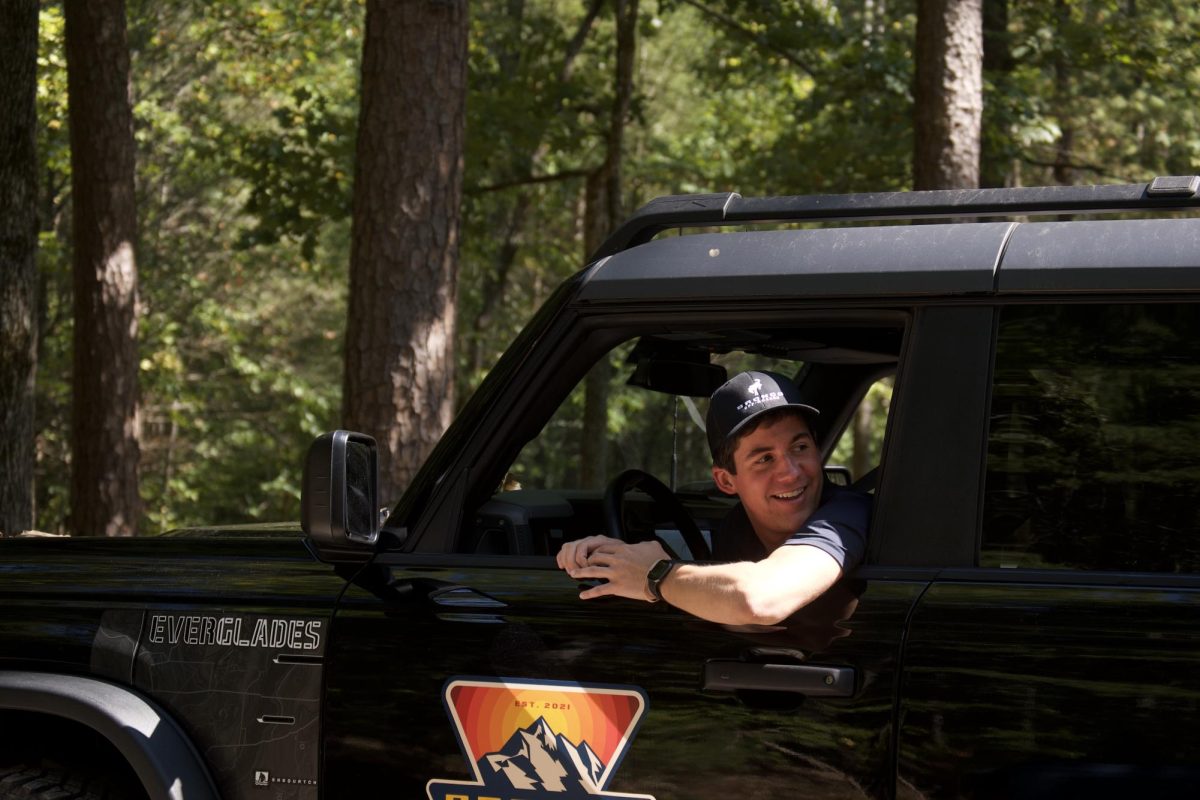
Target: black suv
1026	622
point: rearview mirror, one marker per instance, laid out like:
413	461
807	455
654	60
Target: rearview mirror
339	498
672	368
678	377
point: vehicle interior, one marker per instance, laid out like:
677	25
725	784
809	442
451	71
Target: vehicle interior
625	453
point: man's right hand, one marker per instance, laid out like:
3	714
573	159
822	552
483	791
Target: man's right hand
574	555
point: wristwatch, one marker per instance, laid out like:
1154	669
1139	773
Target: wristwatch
657	574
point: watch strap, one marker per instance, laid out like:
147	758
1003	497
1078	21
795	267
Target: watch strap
656	575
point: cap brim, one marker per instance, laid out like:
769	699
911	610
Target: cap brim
743	423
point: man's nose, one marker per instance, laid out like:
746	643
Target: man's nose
791	465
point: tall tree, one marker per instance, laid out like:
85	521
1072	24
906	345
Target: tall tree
602	211
997	160
948	94
18	271
104	478
1064	151
399	380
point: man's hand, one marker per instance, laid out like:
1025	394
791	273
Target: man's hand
623	565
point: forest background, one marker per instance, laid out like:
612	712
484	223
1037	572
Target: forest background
245	115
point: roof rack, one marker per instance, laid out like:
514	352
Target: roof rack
730	208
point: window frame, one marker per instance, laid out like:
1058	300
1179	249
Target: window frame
549	373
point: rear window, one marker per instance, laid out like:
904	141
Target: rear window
1093	457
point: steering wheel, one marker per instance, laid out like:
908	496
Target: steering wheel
614	508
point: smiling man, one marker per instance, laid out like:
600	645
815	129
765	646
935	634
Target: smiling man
789	539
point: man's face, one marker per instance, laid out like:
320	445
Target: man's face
778	477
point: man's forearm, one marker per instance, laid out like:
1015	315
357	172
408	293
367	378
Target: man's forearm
752	593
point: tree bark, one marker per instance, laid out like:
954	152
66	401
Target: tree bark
948	94
593	441
1064	173
524	167
104	482
399	380
18	268
602	210
996	167
864	416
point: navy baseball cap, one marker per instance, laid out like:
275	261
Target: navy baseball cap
742	398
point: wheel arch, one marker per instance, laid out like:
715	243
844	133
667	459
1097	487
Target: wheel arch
153	744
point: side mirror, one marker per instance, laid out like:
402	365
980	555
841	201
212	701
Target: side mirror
339	499
838	475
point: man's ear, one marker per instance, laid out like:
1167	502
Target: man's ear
723	478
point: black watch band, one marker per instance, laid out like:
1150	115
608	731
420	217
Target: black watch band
657	574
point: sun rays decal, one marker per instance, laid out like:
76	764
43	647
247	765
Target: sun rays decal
539	740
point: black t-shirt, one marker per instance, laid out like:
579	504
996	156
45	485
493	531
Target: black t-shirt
838	527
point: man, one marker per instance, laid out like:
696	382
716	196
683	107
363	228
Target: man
789	539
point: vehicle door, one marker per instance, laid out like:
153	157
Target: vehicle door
1062	659
439	655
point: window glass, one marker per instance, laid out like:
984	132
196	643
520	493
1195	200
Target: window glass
1093	459
642	406
584	445
861	445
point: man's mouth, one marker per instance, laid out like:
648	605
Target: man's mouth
789	495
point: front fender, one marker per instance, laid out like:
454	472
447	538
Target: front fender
154	745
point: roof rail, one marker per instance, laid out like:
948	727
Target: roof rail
730	208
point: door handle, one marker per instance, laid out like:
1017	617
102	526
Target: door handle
806	679
464	597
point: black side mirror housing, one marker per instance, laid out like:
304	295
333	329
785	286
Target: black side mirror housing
339	498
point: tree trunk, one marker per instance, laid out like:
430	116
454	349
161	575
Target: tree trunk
996	159
1064	173
864	417
593	443
104	482
399	381
948	94
523	168
602	211
18	268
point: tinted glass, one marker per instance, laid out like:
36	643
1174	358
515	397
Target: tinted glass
1094	448
658	433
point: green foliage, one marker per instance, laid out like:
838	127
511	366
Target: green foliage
245	114
54	275
1105	90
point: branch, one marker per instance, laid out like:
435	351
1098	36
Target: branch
756	38
576	44
1094	168
529	180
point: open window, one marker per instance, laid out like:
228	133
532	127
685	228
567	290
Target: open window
642	406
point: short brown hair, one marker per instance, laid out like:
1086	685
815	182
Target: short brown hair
723	457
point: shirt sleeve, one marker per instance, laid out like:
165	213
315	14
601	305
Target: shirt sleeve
838	527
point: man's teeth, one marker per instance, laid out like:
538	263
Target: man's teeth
790	495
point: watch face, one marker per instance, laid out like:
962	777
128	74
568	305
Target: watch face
659	570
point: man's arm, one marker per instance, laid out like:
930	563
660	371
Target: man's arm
753	592
745	593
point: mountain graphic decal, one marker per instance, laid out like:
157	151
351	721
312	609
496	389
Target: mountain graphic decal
539	740
538	758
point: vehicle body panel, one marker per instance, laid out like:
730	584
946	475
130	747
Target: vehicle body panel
134	611
1015	689
529	624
